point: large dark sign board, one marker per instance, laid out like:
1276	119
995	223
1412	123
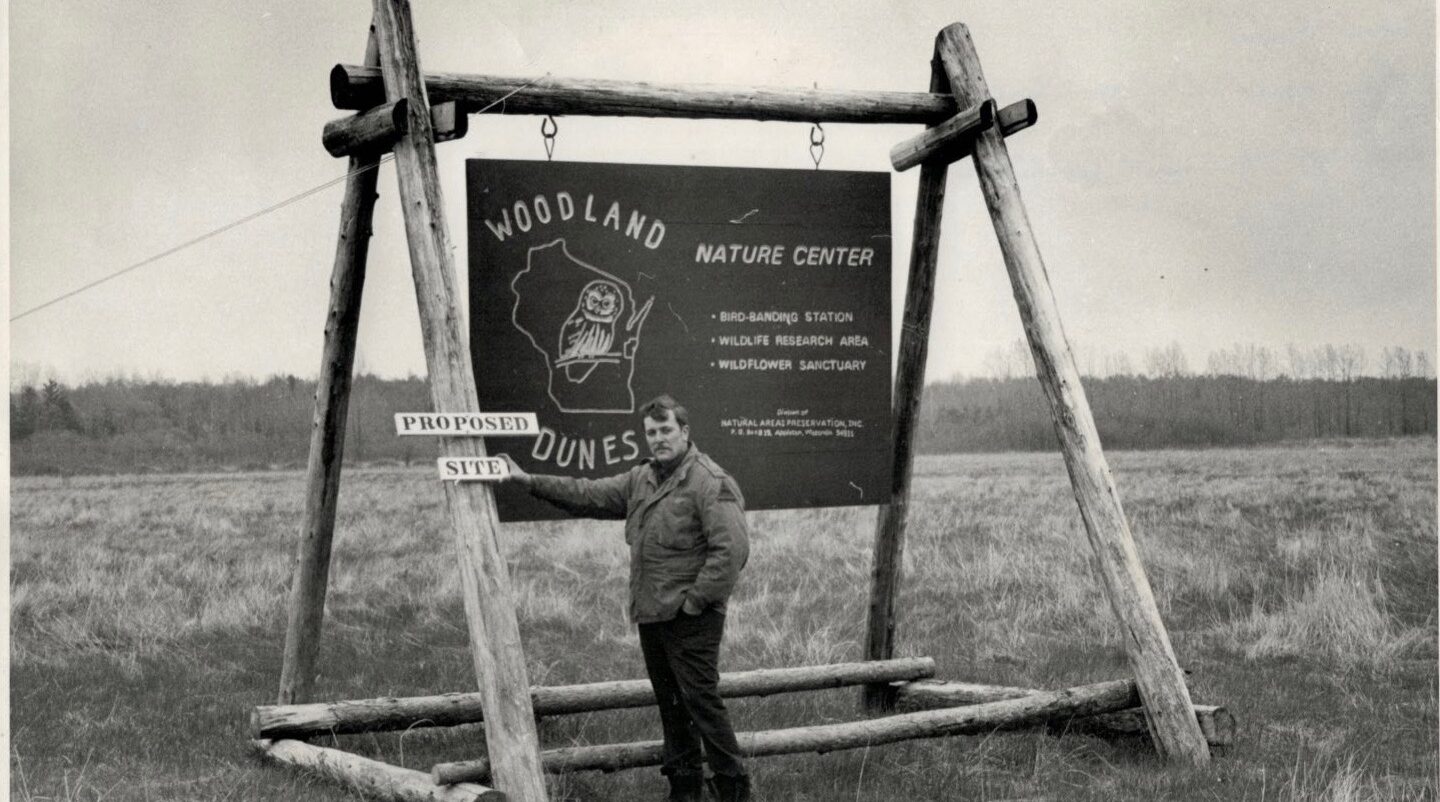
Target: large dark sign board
760	299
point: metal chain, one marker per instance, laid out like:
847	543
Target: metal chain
548	129
817	144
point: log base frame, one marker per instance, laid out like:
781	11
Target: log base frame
394	99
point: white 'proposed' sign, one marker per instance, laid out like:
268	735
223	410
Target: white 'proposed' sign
467	424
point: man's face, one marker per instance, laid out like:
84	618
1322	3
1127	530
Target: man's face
667	438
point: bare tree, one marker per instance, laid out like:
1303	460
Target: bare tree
1422	369
29	374
1398	364
1021	358
355	423
1118	364
1300	362
1167	362
1324	362
1350	361
1218	364
1260	368
1265	365
1327	362
1404	363
997	363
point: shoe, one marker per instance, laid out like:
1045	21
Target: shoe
686	788
730	788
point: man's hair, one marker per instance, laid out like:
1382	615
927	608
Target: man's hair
655	409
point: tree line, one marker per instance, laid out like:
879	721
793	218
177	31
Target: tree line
135	425
1134	412
1246	397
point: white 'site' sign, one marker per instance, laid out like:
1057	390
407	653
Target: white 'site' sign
473	469
467	424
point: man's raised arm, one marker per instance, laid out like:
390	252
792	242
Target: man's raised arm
592	498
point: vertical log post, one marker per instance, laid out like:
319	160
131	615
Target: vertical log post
510	734
885	571
1168	709
327	429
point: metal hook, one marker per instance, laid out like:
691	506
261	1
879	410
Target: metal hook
817	144
548	129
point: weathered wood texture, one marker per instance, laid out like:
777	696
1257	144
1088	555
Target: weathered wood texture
449	121
1162	685
1086	700
1216	722
306	611
887	554
353	87
1017	117
385	714
485	583
373	778
950	143
376	130
967	123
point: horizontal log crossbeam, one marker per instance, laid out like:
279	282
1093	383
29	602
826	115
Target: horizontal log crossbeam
375	131
446	710
356	88
379	124
372	777
1216	722
953	139
967	123
1087	700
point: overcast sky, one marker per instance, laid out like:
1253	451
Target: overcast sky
1202	173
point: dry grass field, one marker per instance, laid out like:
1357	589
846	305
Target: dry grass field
1299	586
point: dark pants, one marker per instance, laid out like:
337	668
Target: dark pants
682	657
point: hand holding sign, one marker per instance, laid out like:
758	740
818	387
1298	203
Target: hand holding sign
516	473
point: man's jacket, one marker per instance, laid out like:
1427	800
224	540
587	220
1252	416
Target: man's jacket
687	534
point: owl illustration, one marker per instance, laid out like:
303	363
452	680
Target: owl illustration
588	333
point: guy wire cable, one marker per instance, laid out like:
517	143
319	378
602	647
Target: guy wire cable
247	218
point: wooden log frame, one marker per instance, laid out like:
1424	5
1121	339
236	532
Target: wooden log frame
965	124
372	778
1168	708
1171	719
385	714
375	131
889	546
953	139
495	647
357	88
1216	722
448	122
306	609
1086	700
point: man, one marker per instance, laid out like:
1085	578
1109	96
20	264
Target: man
685	525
